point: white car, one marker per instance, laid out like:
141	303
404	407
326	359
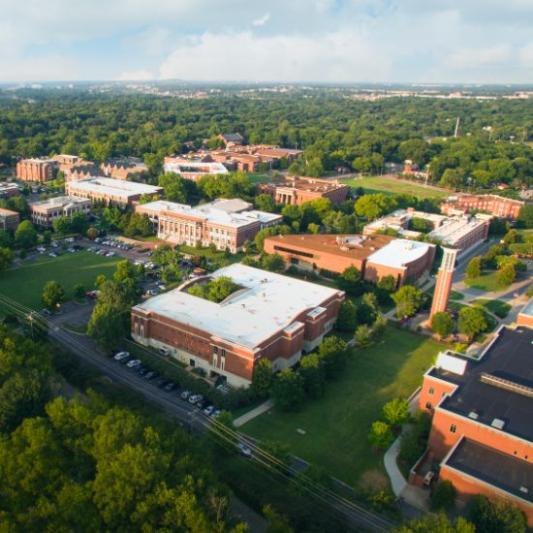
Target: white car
120	356
245	450
110	254
134	363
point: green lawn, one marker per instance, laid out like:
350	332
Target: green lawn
337	425
25	283
454	295
486	282
393	186
498	307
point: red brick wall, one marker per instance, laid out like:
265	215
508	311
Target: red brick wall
467	487
441	438
432	392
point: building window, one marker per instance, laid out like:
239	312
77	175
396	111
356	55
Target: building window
453	428
428	405
431	390
222	363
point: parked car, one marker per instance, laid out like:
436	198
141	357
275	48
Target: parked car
215	413
244	449
209	410
152	374
195	398
170	386
120	356
161	383
164	352
134	363
142	370
185	394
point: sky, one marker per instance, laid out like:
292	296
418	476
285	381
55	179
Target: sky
419	41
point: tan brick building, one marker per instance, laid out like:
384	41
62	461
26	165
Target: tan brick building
295	190
110	191
271	316
45	212
227	224
38	170
497	206
375	256
129	168
9	220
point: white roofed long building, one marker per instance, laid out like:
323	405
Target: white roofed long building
227	224
110	191
271	315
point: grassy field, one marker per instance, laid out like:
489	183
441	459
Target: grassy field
336	426
393	186
498	307
25	283
486	282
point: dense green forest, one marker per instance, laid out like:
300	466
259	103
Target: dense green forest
493	145
84	464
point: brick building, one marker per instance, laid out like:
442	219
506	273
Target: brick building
489	203
38	170
271	316
110	191
482	430
295	190
44	213
9	220
227	224
525	317
75	167
129	168
375	256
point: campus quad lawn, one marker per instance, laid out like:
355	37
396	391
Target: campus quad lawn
25	283
486	282
337	425
498	307
386	185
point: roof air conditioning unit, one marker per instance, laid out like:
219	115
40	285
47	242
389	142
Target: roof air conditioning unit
498	423
473	415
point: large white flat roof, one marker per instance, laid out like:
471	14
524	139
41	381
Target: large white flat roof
110	186
268	303
212	213
400	252
454	229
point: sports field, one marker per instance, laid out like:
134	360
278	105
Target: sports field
383	184
25	283
336	426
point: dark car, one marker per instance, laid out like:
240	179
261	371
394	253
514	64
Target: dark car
161	383
152	374
170	386
142	370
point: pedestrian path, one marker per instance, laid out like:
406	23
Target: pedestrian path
250	415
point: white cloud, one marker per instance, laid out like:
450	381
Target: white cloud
261	21
338	56
479	57
136	75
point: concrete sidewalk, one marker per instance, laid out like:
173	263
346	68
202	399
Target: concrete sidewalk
250	415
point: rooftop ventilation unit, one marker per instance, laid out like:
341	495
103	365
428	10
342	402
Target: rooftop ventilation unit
523	489
452	364
473	415
506	384
498	423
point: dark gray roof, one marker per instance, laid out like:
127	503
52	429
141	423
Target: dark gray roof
510	358
232	137
507	472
